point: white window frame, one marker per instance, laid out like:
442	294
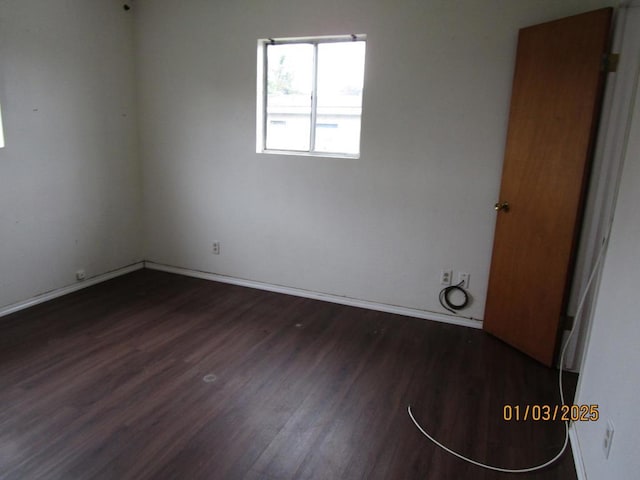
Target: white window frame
261	111
1	130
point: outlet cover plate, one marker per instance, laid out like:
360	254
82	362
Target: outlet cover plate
445	277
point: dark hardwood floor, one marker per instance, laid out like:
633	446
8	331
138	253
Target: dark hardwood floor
107	383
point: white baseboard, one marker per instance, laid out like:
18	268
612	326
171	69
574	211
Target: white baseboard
577	454
382	307
14	307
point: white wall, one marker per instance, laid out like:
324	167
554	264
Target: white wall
609	376
69	177
380	228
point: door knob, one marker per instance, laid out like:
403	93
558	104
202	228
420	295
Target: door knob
504	206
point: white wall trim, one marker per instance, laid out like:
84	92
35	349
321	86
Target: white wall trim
59	292
326	297
581	473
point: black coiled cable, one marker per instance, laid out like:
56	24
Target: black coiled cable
445	299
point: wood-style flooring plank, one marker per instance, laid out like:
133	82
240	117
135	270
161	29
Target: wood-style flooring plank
108	383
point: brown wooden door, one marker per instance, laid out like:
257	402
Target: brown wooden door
557	88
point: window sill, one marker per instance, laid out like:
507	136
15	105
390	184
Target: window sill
301	153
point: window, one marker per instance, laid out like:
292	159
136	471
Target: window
310	95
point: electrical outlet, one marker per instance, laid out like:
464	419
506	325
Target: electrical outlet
463	279
608	439
445	277
80	275
215	248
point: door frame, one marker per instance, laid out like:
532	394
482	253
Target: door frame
610	148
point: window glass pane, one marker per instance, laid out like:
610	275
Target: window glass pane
289	85
340	81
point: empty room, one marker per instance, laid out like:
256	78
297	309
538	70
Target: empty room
328	239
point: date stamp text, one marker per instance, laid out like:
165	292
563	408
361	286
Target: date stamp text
550	413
